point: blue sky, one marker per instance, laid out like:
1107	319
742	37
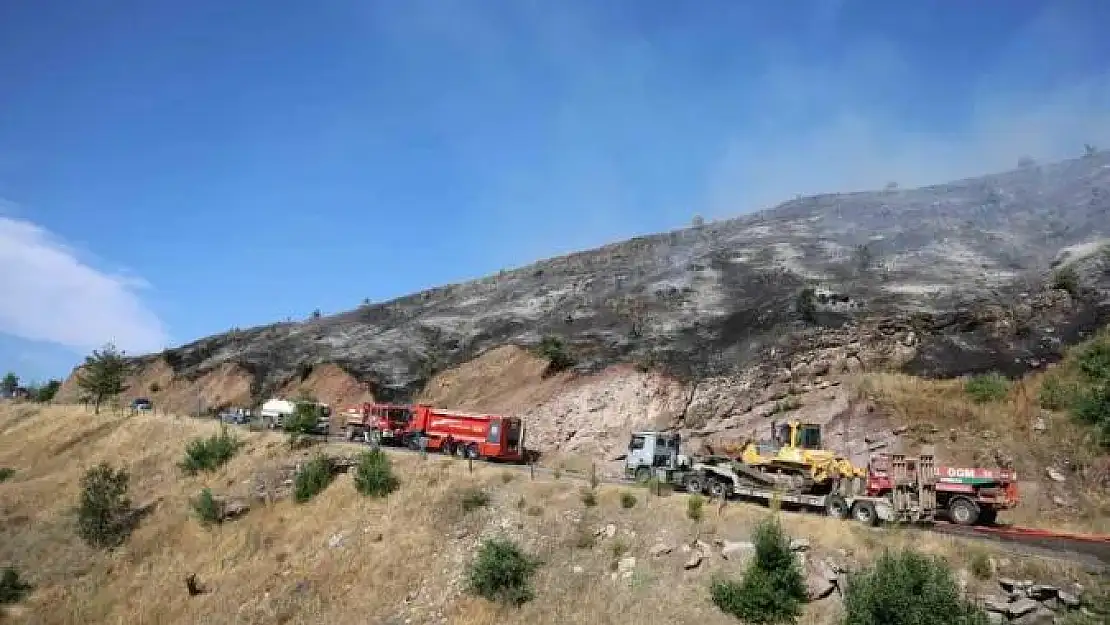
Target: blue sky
173	169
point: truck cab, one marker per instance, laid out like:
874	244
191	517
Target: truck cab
649	452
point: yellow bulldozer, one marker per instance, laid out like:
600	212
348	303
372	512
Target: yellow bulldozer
794	458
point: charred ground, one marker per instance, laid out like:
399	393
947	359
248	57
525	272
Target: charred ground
968	267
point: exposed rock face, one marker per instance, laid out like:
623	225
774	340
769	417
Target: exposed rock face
940	281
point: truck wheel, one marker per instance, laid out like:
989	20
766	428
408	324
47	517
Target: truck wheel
963	511
351	434
448	448
864	512
718	489
472	451
836	507
460	450
643	474
694	484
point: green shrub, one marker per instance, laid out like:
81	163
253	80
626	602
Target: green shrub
806	304
555	351
980	565
304	418
908	588
695	505
209	454
1093	408
12	588
6	473
628	500
105	518
1094	361
312	478
1066	279
772	589
374	474
502	573
1056	394
589	498
473	498
987	388
206	508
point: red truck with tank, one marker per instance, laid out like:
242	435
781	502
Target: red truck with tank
477	436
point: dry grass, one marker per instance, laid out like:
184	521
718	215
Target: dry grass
1002	432
275	565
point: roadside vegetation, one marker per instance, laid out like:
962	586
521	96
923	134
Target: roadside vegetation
209	454
908	588
465	543
772	589
312	478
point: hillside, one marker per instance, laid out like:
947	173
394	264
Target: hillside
941	280
344	558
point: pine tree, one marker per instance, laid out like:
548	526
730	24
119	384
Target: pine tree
103	374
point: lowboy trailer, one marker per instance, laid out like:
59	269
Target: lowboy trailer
910	498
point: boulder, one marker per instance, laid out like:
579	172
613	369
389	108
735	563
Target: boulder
735	549
1069	600
821	580
799	544
996	604
1040	616
694	560
1021	607
1042	592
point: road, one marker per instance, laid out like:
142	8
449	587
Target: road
1093	552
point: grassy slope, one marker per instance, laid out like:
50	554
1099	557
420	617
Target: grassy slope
983	434
275	565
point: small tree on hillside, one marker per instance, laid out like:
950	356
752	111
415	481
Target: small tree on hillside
105	518
773	587
102	375
9	383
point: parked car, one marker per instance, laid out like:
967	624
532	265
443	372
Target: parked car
142	404
238	416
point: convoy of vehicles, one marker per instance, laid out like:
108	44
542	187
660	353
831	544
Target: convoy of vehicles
791	467
422	426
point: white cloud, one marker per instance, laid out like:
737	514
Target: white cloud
48	294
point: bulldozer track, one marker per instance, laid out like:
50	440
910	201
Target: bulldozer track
1091	550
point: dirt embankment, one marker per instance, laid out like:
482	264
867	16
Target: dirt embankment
588	415
329	384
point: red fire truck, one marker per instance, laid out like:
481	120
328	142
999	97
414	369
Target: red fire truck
495	437
385	424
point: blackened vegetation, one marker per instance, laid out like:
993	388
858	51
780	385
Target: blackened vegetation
959	343
718	297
